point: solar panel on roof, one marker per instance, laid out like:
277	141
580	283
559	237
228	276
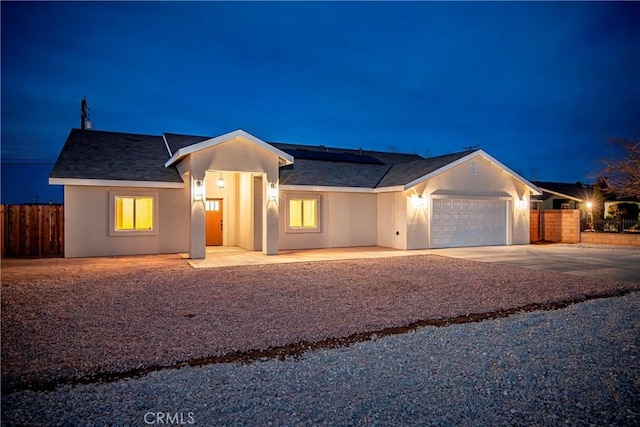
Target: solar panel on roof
332	156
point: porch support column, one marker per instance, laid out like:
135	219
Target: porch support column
197	238
270	220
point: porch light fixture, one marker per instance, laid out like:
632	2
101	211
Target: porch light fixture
272	192
589	205
221	181
521	204
198	190
418	201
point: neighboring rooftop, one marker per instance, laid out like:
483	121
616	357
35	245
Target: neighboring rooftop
576	190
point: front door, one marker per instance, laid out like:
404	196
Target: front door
215	224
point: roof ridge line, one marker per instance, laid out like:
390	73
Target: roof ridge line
166	144
384	175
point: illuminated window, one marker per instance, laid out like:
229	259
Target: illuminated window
134	213
212	205
303	213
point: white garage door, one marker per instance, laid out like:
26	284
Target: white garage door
468	222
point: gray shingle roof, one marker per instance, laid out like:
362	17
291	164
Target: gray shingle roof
91	154
395	168
404	173
176	141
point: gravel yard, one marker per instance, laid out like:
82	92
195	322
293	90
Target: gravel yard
82	324
574	366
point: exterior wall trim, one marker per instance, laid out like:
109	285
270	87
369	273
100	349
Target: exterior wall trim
341	189
114	183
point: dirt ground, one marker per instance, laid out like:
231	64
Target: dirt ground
13	269
66	320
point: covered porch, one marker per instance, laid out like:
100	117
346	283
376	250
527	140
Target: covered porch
233	180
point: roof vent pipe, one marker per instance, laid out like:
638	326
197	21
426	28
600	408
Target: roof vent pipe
85	120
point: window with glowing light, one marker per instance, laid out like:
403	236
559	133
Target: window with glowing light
133	213
303	214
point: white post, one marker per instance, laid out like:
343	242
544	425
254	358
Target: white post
197	238
270	222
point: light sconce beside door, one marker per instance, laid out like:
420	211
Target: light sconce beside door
221	181
198	190
521	204
272	192
418	201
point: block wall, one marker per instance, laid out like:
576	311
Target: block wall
618	239
561	226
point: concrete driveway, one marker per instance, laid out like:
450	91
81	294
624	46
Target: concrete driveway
604	262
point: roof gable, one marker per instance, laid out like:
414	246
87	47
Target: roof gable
466	156
211	142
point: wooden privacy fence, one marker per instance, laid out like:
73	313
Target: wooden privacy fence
32	230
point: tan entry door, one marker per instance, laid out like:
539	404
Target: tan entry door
215	222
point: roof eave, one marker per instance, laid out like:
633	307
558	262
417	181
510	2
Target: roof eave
339	189
114	183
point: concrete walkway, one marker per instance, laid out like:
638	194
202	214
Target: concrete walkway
229	256
604	262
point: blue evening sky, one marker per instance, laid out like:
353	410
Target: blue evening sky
539	86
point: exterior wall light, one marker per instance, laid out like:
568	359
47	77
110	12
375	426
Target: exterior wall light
521	204
272	192
198	190
589	205
221	181
418	201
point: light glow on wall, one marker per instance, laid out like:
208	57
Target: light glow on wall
418	201
198	190
272	192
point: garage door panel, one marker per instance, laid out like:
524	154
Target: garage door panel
460	222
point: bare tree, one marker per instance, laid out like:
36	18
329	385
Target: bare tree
621	171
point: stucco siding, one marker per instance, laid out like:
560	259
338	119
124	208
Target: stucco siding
245	211
386	224
346	220
88	223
